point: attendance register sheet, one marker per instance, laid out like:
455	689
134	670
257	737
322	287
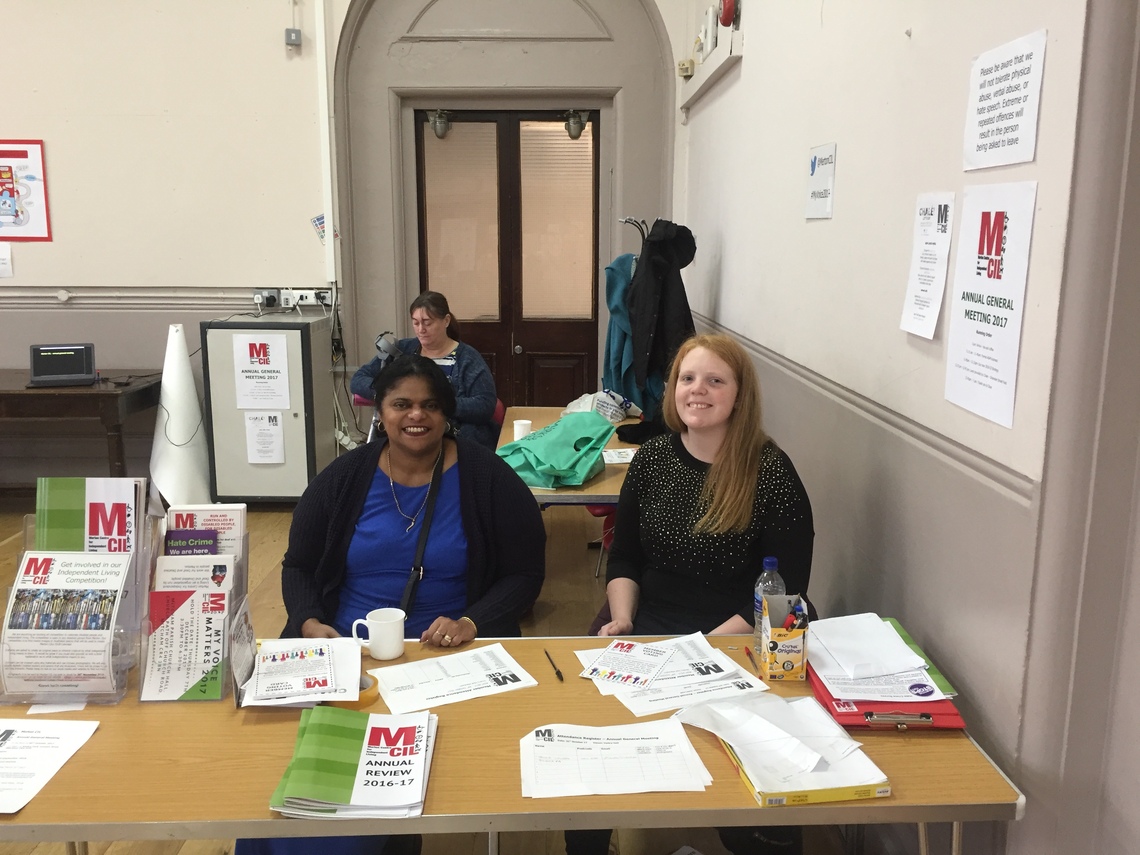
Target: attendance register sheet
450	678
575	760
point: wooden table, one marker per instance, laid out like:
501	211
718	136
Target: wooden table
117	395
602	489
184	770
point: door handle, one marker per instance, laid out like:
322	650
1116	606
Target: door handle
518	349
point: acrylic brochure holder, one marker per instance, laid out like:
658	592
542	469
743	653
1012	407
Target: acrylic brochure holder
68	625
199	621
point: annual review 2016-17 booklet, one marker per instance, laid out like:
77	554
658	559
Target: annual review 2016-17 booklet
351	765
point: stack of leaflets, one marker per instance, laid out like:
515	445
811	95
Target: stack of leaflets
862	657
356	765
195	586
692	672
903	699
98	515
59	626
789	752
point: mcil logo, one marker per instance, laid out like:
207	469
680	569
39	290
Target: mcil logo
623	646
258	353
991	244
316	682
184	521
109	521
400	742
214	604
36	571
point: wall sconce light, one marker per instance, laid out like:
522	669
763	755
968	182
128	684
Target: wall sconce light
575	123
439	123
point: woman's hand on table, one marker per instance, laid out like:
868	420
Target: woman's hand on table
616	627
445	632
313	628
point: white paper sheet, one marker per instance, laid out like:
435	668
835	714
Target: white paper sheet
264	438
450	678
573	760
930	254
6	271
863	645
32	752
261	371
821	182
904	687
696	672
618	455
786	746
987	303
1001	114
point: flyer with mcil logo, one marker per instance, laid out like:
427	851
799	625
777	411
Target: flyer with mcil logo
186	649
58	626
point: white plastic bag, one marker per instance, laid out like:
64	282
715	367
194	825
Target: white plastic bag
607	403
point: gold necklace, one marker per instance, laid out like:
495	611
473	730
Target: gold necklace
391	483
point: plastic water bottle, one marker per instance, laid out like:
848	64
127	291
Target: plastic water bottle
769	582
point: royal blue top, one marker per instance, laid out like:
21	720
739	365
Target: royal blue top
382	550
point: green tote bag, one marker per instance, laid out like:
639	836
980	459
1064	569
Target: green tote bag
564	454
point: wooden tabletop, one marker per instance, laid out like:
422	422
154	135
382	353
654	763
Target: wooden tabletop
206	770
602	489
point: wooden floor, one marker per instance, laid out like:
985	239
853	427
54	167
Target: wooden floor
570	599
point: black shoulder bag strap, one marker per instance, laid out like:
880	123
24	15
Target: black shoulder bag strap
409	598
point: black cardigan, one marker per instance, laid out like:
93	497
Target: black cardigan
506	554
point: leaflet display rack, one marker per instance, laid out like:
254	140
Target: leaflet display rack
236	595
124	638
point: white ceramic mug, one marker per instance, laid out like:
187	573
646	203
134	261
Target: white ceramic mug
385	633
522	428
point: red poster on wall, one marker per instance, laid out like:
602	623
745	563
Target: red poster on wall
23	191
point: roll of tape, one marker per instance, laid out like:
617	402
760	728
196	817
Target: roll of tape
369	692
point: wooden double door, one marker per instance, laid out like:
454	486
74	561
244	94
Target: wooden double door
508	225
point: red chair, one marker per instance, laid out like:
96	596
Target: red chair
374	425
608	513
500	412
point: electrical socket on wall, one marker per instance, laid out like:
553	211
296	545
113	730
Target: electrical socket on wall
269	297
291	297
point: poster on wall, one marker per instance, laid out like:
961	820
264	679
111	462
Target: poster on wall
987	304
23	191
261	371
264	438
930	255
821	182
1001	112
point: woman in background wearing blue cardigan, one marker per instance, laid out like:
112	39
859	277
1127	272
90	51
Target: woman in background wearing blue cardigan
437	338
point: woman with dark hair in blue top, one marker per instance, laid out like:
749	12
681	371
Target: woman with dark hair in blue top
356	529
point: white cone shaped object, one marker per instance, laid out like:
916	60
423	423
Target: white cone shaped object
179	459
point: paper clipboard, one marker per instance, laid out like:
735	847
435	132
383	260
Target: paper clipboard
883	715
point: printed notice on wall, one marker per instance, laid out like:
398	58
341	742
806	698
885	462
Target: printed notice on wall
933	221
1005	92
264	438
821	182
261	371
986	307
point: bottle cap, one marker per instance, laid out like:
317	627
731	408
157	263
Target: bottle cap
770	563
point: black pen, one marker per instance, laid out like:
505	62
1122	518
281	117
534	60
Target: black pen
557	673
